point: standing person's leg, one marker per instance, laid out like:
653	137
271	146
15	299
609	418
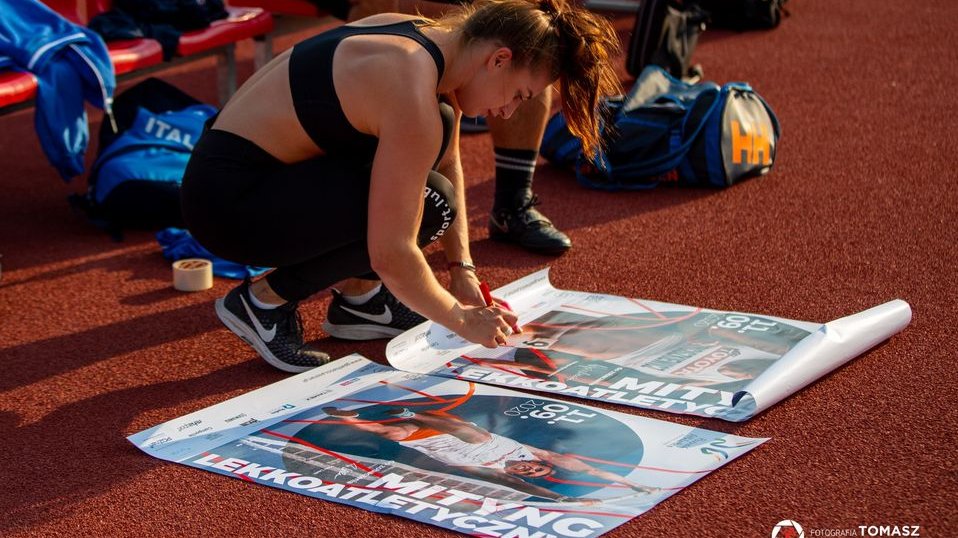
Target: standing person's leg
516	143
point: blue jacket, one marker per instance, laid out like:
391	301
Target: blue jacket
71	64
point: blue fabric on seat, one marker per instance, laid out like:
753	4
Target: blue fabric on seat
178	244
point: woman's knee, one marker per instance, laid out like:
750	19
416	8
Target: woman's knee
439	209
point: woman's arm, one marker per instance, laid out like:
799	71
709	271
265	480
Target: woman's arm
410	134
455	242
409	138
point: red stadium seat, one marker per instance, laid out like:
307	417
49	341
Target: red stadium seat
220	37
131	55
127	55
74	11
242	23
16	87
301	8
263	51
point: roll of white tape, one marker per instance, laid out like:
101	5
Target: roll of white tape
192	274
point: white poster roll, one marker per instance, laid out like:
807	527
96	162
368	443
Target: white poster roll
836	343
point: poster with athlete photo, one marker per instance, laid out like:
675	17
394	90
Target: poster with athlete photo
648	354
473	458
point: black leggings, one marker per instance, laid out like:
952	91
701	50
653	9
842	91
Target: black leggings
307	219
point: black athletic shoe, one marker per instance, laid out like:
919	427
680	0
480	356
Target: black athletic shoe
529	228
383	316
276	334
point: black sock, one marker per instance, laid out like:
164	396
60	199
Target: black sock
514	171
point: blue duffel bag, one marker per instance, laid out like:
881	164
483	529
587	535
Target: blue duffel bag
666	130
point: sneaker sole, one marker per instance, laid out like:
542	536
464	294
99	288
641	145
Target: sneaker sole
249	336
360	332
496	235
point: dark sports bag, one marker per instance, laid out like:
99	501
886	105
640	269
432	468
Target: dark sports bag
744	14
666	130
665	34
135	180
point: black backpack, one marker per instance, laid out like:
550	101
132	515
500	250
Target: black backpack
665	34
744	14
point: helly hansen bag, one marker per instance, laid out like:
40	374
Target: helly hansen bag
666	130
135	180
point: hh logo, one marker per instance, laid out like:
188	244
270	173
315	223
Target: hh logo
755	146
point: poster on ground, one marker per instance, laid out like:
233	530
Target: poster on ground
473	458
648	354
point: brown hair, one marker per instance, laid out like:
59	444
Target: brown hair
575	46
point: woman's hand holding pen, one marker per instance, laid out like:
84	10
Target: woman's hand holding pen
503	306
484	320
487	325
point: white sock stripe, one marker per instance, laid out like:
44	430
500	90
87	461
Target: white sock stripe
505	158
528	168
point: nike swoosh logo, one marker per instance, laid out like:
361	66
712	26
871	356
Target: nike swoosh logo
267	336
501	225
383	319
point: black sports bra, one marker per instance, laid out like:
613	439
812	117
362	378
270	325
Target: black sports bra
314	95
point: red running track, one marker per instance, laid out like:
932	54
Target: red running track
860	209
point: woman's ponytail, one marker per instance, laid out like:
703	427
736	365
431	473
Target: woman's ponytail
573	45
588	46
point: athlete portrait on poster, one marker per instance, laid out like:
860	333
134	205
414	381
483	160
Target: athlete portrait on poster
457	454
643	353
